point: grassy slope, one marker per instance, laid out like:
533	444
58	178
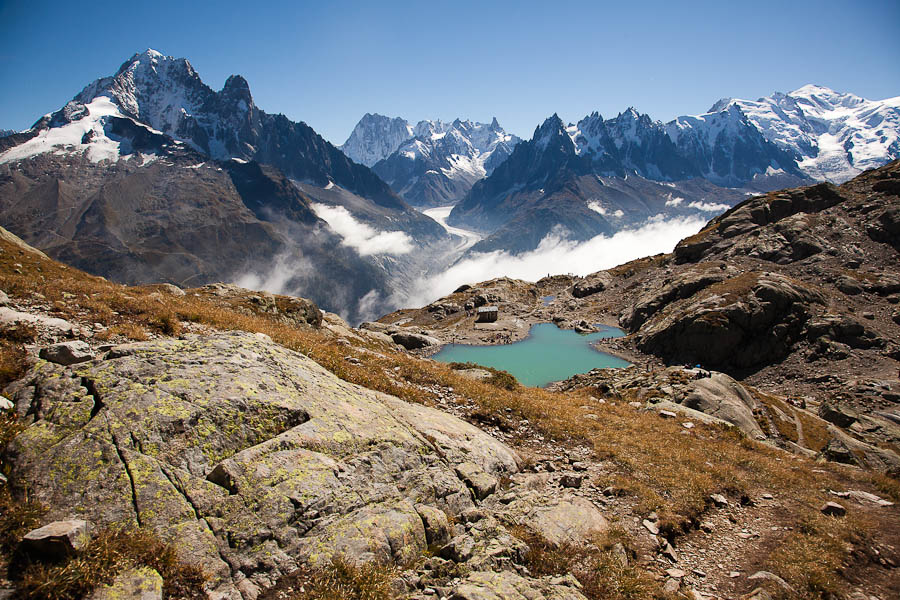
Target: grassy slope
651	460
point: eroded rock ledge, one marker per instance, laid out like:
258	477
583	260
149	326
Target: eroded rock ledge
252	456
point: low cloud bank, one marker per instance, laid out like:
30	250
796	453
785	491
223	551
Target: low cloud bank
363	238
598	208
557	254
708	206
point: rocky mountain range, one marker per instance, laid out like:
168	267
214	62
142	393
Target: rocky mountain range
150	175
835	135
810	134
434	163
225	443
590	179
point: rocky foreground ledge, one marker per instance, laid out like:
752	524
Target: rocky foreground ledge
256	460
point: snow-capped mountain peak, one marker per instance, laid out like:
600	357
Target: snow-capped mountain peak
375	138
551	130
433	163
152	88
160	101
835	135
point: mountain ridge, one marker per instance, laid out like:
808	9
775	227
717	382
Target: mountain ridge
97	172
434	163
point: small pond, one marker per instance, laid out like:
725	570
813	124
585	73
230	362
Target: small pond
547	354
547	300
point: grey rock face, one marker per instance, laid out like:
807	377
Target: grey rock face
57	540
253	457
482	484
752	321
564	519
136	584
483	585
596	283
413	341
67	353
721	396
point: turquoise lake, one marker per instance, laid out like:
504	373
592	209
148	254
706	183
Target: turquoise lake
548	354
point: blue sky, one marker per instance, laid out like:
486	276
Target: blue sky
328	62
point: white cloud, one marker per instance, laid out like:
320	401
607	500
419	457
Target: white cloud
708	206
674	201
557	254
368	305
363	238
276	277
595	206
598	208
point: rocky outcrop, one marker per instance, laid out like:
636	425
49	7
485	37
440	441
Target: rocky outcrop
413	341
758	212
485	585
699	396
57	540
252	456
745	322
67	353
722	397
654	300
591	285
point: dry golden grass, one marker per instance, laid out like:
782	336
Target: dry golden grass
109	553
636	266
781	413
815	430
812	558
339	581
670	472
654	460
702	234
604	571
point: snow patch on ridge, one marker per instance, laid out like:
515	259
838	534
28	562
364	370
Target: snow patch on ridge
70	138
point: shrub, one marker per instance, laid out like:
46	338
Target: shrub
341	580
604	568
110	552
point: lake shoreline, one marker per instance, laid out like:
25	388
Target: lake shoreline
553	354
609	345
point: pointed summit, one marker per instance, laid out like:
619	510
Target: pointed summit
551	125
375	137
720	105
236	83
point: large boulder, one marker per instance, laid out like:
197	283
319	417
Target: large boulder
57	540
844	329
253	457
485	585
414	341
561	519
721	396
748	321
67	353
591	285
